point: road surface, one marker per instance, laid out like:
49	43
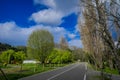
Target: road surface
75	71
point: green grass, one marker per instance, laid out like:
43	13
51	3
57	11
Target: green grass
100	78
13	71
107	72
111	71
90	66
107	69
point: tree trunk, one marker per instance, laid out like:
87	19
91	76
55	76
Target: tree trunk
43	66
21	67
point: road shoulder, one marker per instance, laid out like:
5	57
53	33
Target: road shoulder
95	75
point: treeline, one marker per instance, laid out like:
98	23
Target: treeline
60	56
12	57
12	54
57	56
5	46
100	32
41	47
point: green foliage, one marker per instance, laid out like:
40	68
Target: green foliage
60	56
78	54
66	57
89	57
21	48
40	44
10	57
13	73
19	57
52	56
7	56
4	47
111	71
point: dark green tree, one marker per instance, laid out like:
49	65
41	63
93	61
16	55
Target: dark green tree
7	57
19	57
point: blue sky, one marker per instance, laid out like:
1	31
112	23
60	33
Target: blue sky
18	18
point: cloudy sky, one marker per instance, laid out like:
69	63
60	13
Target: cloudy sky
18	18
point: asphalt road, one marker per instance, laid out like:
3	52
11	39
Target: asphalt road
72	72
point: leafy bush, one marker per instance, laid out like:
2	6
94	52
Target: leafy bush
60	56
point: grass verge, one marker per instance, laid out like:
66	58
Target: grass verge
13	72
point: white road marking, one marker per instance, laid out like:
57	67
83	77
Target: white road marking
86	66
85	71
61	73
84	76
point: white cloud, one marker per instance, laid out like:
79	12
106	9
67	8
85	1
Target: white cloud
49	3
71	35
47	16
11	33
77	28
15	35
64	6
57	10
57	32
76	42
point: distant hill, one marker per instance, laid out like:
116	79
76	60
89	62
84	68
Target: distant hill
4	47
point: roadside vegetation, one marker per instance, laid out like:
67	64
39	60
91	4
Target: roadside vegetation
40	48
100	33
13	67
99	26
13	71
